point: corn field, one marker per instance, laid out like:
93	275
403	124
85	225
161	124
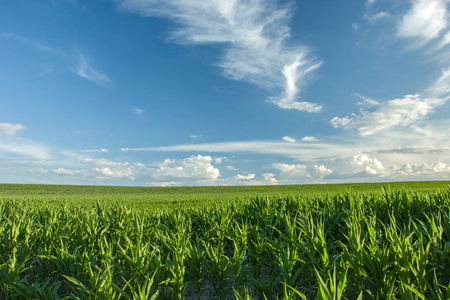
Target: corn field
386	245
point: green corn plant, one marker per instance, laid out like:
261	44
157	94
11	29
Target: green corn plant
238	265
292	293
100	285
289	265
139	290
315	244
217	267
177	270
245	295
195	266
332	288
353	251
44	291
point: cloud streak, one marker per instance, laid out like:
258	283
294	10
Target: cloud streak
33	43
254	35
424	21
85	70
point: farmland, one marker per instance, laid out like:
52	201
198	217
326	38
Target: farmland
361	241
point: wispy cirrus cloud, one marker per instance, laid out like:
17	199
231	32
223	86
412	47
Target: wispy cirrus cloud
82	66
424	22
38	45
254	36
84	69
137	111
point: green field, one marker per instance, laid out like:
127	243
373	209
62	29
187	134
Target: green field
354	241
151	198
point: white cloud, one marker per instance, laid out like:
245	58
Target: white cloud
355	26
369	3
250	179
366	101
301	172
85	70
23	149
294	150
442	86
138	111
356	166
99	173
270	179
397	112
289	139
10	129
424	21
362	167
231	168
245	177
309	139
62	171
253	35
436	170
291	170
377	16
444	41
102	150
104	169
320	171
104	162
192	169
219	160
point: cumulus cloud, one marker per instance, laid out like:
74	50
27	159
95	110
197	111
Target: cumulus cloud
10	129
250	179
245	177
424	21
362	166
253	35
301	172
396	112
270	179
356	166
191	169
291	170
436	170
85	70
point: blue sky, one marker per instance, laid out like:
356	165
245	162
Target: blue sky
224	92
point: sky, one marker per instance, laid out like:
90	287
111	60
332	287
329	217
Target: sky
224	92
